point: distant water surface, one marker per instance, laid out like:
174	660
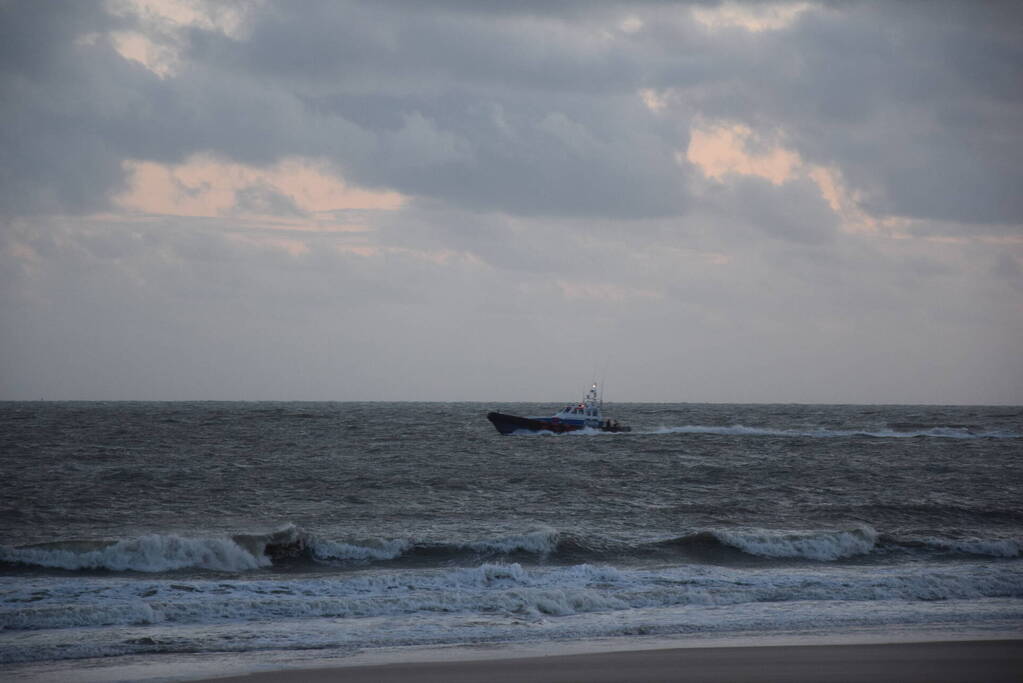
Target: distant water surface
129	530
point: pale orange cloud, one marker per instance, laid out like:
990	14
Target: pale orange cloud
655	101
723	149
755	18
204	186
158	44
227	18
162	60
631	24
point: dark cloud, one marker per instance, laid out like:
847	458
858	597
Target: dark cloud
516	114
526	110
793	210
264	200
918	109
475	123
54	157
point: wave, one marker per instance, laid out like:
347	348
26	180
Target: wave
490	589
829	545
338	550
984	547
156	553
931	432
826	545
149	553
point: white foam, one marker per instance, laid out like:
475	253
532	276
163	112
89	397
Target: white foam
73	616
540	541
43	617
741	430
488	575
491	589
811	545
382	550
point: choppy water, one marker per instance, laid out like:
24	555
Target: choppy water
137	529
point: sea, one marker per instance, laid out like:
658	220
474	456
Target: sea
169	541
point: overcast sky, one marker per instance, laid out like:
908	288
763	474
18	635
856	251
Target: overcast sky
483	200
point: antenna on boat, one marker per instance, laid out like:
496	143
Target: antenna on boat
603	382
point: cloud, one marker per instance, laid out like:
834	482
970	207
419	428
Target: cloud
723	149
767	16
741	201
793	211
460	140
918	142
295	193
529	110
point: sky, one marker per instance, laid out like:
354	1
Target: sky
810	202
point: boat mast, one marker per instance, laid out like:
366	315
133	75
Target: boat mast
603	383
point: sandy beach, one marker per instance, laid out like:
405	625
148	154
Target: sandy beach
933	662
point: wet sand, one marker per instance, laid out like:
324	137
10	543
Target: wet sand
935	662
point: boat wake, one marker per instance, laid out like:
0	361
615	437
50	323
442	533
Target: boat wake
743	430
930	432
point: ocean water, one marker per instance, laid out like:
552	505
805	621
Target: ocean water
162	540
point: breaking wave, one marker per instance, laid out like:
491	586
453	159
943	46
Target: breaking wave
156	553
337	550
149	553
811	545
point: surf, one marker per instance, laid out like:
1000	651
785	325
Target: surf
292	546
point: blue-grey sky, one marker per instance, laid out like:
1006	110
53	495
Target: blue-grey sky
459	200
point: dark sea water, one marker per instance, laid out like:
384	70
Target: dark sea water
136	533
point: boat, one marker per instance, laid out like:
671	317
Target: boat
571	418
